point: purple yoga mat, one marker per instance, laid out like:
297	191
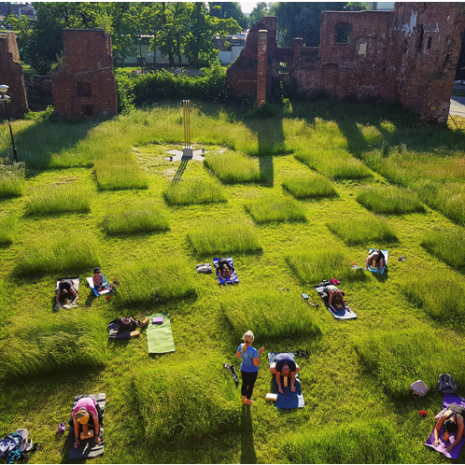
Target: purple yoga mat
448	399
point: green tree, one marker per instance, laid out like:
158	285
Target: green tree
258	12
227	10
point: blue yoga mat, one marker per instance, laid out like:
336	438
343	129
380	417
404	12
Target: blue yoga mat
386	256
289	399
90	282
233	279
340	314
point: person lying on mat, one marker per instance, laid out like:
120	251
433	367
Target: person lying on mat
99	282
336	300
452	420
376	259
225	269
284	364
65	291
85	409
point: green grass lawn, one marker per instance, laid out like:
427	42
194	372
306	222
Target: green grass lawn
148	222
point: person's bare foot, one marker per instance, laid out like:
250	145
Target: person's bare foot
293	389
281	391
249	402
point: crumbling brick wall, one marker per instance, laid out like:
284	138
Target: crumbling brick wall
408	55
11	74
84	83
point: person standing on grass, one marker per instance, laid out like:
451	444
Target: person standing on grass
249	368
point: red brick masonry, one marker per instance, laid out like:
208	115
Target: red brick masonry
408	55
84	84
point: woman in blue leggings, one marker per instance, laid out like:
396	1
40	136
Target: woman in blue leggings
249	368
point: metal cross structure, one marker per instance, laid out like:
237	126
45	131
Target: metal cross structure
186	118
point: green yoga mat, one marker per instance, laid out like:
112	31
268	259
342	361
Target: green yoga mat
160	337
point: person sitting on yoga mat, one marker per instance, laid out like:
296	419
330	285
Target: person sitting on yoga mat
225	269
284	364
249	368
65	291
452	420
84	409
376	259
99	282
336	300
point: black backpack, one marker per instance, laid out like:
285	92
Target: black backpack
446	385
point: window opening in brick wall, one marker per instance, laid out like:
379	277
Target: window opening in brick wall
83	89
283	69
428	42
88	110
420	40
343	32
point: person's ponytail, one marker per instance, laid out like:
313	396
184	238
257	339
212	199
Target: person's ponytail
247	337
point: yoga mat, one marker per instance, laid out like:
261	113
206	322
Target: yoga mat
386	257
87	448
289	399
340	314
233	279
160	337
90	282
448	399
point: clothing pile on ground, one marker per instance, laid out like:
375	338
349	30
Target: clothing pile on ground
16	446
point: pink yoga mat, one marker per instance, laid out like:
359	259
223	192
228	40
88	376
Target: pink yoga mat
448	399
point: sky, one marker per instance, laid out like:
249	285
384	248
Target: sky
247	7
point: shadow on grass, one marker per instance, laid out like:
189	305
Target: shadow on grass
181	169
248	454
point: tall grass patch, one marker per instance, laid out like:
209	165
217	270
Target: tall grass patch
227	236
58	199
134	218
7	228
57	344
276	210
362	230
399	358
447	245
323	262
193	191
309	186
441	298
273	314
182	402
12	180
120	173
390	199
373	441
58	253
152	280
231	167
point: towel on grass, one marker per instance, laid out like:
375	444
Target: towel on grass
233	279
289	399
448	399
87	448
160	337
386	257
341	314
90	282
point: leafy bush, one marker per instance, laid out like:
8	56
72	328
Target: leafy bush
273	315
178	403
7	226
58	199
58	253
12	180
398	358
231	168
133	218
228	236
56	344
373	441
39	116
265	111
267	211
325	262
362	230
441	298
390	199
447	245
153	279
193	191
305	186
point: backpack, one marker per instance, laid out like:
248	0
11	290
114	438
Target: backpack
446	385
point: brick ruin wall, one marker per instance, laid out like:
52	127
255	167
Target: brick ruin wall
84	83
408	55
11	74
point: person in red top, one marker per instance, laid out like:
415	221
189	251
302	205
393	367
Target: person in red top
99	282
